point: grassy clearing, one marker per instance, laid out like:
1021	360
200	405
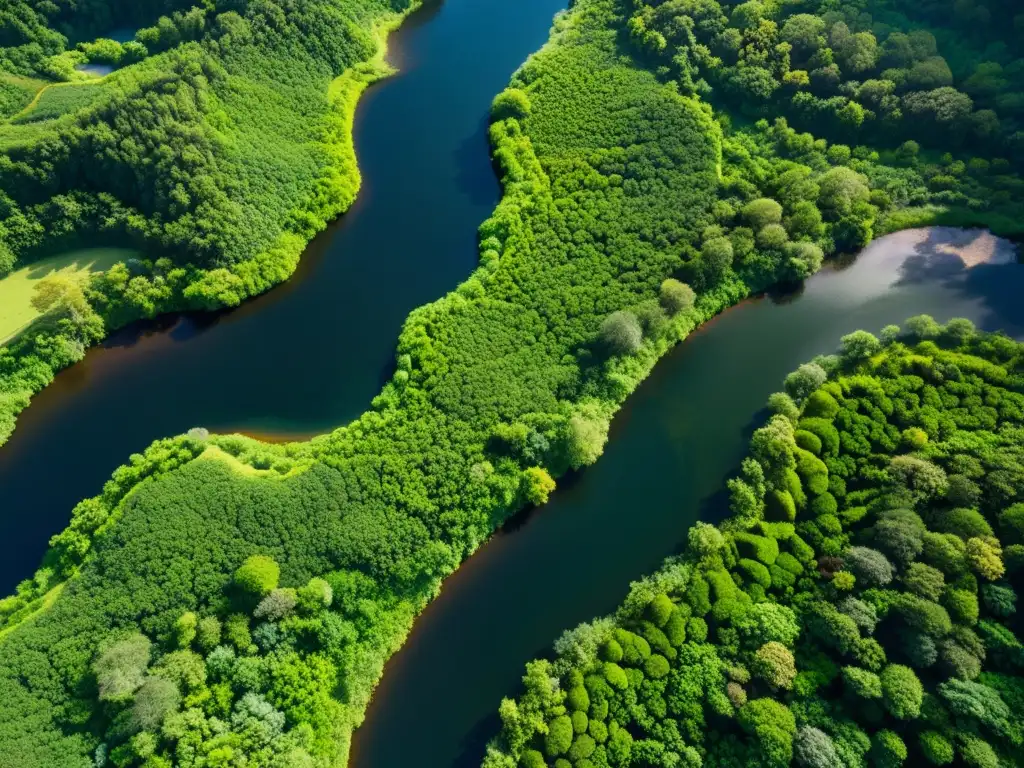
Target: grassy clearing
16	310
59	100
41	605
283	471
998	223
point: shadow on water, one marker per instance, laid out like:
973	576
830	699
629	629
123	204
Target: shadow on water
475	741
466	159
785	294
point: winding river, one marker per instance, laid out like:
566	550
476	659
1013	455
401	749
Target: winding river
311	354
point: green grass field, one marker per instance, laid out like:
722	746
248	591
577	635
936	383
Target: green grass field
16	311
59	100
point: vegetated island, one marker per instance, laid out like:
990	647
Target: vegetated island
217	147
859	605
227	601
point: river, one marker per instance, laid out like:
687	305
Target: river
312	353
676	441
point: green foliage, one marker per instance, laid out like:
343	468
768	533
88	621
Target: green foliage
808	441
901	692
579	722
767	622
888	749
761	213
936	748
208	633
676	297
756	572
511	103
559	736
577	699
977	753
621	333
856	638
614	183
120	669
585	439
820	404
804	381
155	699
760	548
773	726
258	575
656	666
869	566
814	748
862	682
252	105
537	485
611	650
615	676
773	662
185	629
779	505
660	609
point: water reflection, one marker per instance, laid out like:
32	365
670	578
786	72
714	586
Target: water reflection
672	447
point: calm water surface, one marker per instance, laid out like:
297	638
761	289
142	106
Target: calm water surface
672	447
312	353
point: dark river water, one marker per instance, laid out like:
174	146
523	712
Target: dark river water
311	354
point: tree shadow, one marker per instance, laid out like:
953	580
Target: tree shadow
176	326
715	508
475	176
519	520
785	293
474	743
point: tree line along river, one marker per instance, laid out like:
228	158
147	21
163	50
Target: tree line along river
311	354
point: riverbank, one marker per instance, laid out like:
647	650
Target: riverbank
612	194
31	362
213	369
741	623
385	534
998	224
671	448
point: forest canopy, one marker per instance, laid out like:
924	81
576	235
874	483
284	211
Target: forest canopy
218	146
859	605
224	602
883	118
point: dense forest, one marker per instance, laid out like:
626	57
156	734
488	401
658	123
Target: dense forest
857	607
218	146
874	72
225	602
